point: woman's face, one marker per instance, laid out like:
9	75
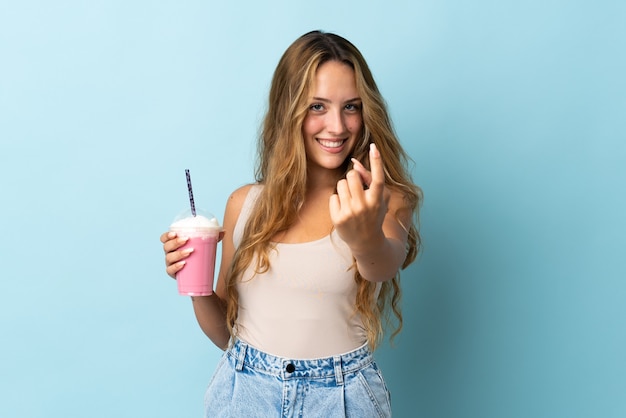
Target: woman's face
334	121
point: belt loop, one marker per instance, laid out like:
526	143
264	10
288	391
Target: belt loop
338	371
241	355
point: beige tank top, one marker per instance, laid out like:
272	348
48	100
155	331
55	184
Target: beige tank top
303	306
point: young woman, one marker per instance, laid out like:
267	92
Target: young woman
312	250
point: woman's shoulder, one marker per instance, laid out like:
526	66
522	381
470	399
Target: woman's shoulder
238	198
239	195
239	207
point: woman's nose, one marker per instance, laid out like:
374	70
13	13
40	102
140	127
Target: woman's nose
335	123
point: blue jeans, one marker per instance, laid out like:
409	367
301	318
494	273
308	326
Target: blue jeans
249	383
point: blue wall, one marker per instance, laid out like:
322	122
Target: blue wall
514	113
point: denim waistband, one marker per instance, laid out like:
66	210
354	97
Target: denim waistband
336	366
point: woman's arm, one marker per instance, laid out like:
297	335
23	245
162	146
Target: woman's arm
210	310
380	256
371	220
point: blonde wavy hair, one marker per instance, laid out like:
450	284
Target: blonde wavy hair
282	170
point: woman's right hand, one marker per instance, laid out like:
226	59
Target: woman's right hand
174	256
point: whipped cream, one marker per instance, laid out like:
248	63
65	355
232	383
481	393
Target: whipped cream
198	221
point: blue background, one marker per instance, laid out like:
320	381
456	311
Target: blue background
514	113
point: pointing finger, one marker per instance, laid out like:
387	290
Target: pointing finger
378	172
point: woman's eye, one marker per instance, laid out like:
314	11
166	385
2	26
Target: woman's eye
317	107
352	107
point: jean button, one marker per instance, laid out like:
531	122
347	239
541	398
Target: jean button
290	368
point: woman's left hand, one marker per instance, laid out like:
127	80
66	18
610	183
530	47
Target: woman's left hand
357	212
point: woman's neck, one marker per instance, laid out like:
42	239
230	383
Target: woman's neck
321	179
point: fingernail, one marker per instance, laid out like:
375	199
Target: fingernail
374	149
171	234
187	250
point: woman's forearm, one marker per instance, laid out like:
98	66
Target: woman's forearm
381	260
211	315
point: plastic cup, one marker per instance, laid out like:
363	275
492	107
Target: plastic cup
203	230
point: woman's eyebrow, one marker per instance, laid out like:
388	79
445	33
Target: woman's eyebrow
321	99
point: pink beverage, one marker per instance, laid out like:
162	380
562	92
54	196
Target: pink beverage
196	277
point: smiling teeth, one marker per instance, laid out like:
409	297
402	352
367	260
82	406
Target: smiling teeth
331	144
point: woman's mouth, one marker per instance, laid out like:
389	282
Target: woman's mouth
331	143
